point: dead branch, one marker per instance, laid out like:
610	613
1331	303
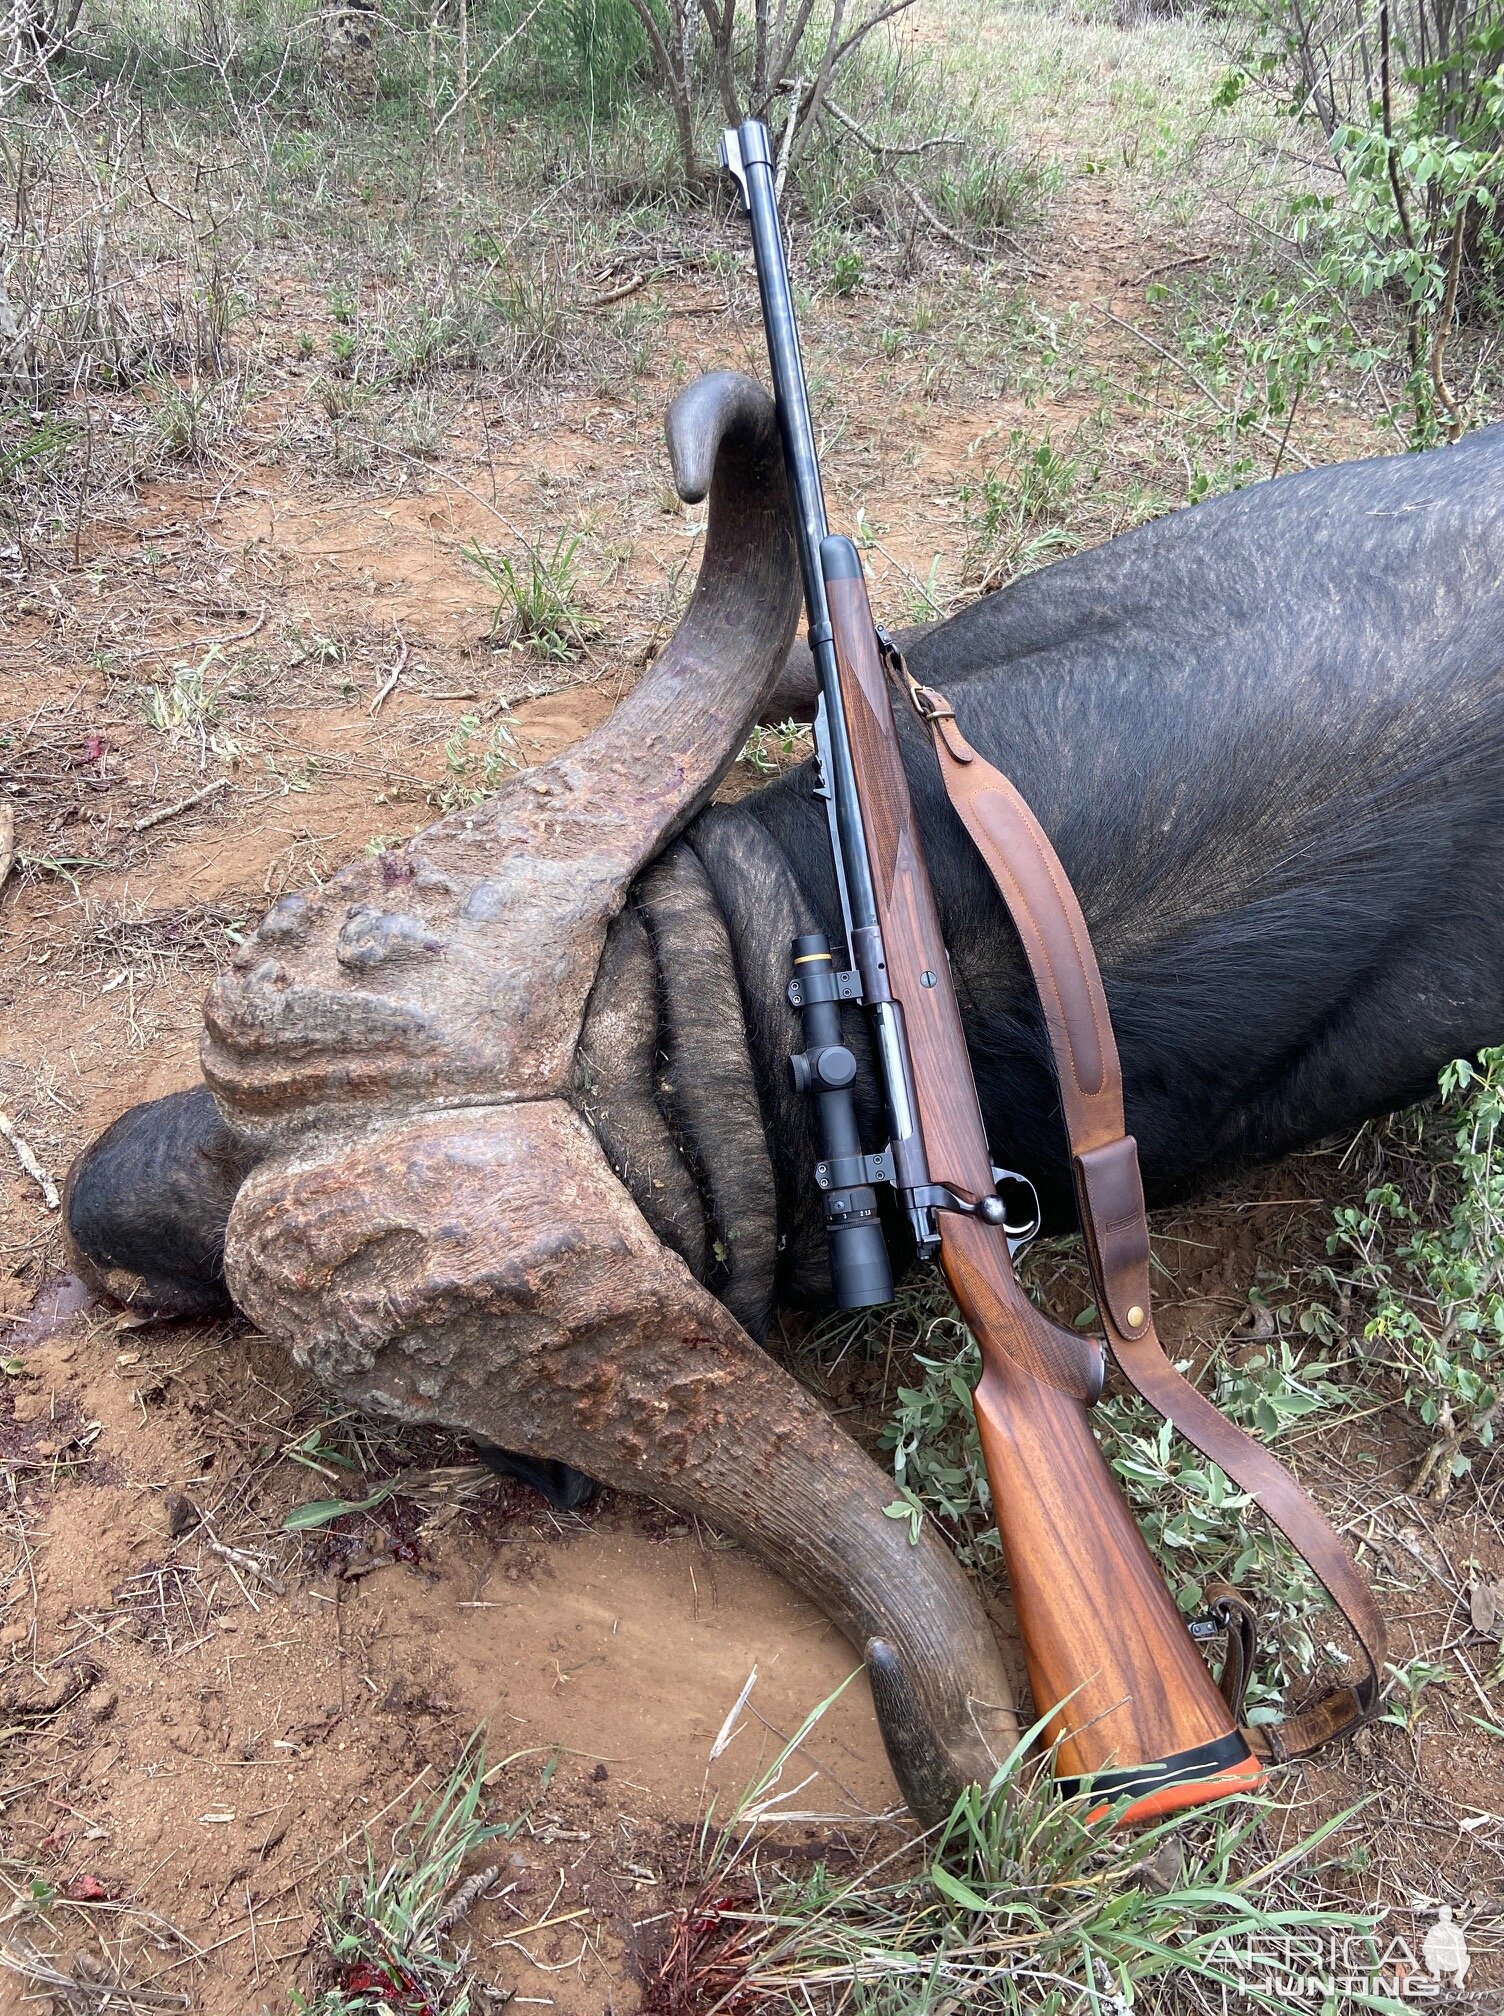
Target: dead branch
157	818
26	1156
236	1557
89	1986
1444	328
889	150
977	251
392	677
614	294
1172	266
1200	384
786	144
860	33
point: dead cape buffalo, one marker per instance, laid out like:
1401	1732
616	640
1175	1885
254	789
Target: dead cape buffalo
501	1133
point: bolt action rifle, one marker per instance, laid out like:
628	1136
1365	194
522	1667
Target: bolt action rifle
1113	1665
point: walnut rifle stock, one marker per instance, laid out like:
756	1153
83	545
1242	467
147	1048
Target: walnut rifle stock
1134	1706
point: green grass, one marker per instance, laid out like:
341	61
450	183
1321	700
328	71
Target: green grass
1422	1260
388	1944
538	601
1019	1905
1015	514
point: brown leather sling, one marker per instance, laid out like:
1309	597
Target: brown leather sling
1110	1197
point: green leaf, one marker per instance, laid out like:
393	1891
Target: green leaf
958	1892
320	1511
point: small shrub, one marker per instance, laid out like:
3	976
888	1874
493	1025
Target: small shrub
1012	516
985	189
1424	1256
420	424
193	420
476	762
770	750
538	598
187	703
847	272
1411	99
530	304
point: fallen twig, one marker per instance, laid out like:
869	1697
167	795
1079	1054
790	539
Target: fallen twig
211	643
210	790
1173	266
26	1156
465	1896
1200	384
613	294
936	222
236	1557
7	841
889	149
188	1517
392	677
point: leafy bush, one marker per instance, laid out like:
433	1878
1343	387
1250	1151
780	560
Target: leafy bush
1424	1254
1411	99
1196	1522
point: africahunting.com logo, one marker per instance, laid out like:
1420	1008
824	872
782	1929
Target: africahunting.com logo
1353	1968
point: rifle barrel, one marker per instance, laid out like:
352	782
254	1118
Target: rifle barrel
746	151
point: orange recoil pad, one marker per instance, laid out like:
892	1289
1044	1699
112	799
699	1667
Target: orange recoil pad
1196	1777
